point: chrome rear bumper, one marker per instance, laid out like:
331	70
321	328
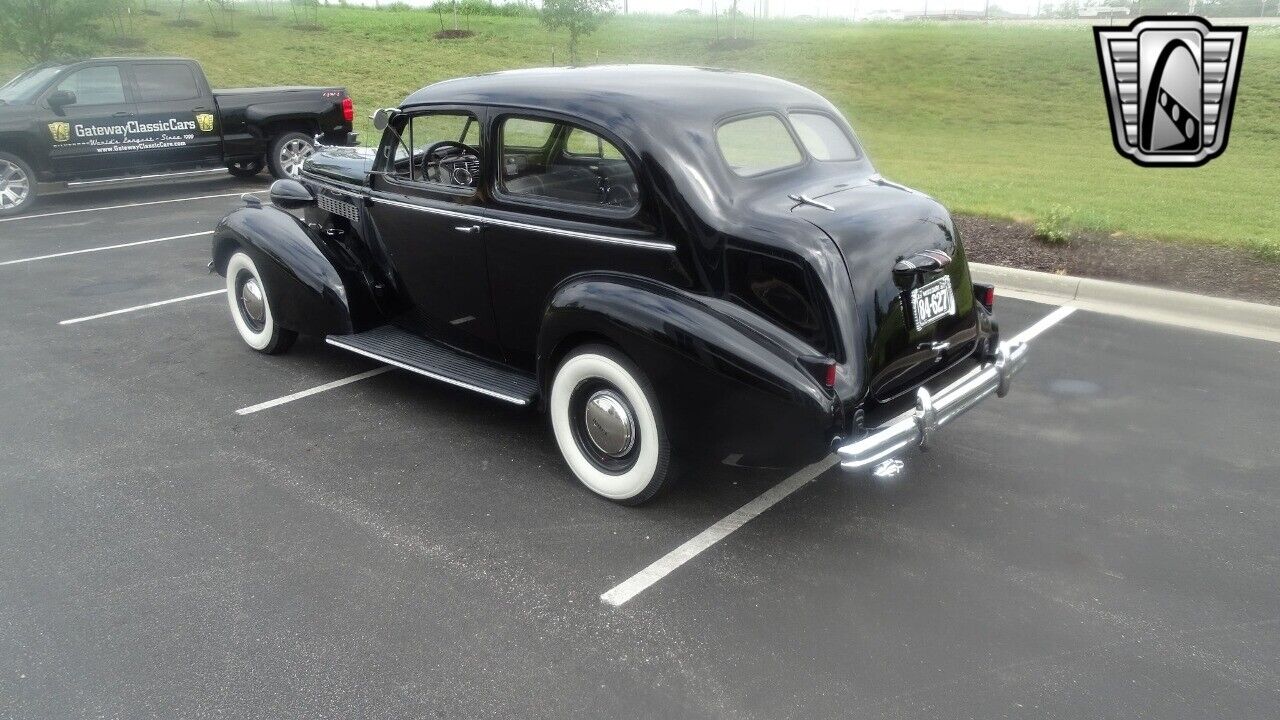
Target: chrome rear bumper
933	410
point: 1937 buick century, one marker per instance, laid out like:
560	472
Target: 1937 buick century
667	260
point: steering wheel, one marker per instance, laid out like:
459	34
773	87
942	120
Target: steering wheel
449	152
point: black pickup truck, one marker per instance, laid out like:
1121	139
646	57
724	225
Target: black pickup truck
110	120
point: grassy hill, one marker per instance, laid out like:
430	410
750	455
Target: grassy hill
1001	120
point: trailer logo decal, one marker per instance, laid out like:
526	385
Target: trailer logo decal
61	131
205	121
1170	84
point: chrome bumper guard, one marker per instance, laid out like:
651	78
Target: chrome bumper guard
933	410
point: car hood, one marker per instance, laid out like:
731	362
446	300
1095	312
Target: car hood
345	164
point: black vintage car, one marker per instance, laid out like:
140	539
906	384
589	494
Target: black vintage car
105	121
669	261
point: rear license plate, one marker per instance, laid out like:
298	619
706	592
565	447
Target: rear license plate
930	303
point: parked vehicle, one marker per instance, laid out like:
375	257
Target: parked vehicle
668	261
111	120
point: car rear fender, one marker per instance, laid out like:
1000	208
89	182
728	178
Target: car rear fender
728	390
312	285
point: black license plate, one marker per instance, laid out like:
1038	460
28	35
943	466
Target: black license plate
930	303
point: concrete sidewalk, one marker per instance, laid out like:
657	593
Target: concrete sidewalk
1201	312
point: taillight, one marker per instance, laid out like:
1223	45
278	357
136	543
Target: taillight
348	109
822	368
985	294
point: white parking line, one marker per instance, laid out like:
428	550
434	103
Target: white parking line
1044	323
105	247
664	565
122	311
312	391
130	205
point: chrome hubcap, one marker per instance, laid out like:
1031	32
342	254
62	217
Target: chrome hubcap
293	154
14	185
609	423
251	300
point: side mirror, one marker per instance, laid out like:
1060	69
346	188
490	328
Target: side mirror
382	118
59	99
290	194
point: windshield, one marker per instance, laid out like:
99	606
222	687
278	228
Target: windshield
27	85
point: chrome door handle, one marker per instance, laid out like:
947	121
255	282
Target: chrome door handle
469	229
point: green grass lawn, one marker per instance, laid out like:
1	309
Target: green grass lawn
1001	120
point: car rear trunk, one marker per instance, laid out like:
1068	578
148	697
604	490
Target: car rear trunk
874	224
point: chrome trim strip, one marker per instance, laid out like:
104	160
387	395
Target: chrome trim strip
362	192
427	373
134	178
612	239
934	410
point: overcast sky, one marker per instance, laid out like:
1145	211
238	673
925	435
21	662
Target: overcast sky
816	8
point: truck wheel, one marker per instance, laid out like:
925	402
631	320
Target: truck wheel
287	153
17	185
608	425
246	168
251	308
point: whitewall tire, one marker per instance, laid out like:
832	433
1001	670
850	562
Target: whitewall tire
250	307
608	425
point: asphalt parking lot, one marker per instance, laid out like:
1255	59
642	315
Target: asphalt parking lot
1101	543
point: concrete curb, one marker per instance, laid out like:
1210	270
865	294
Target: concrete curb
1233	317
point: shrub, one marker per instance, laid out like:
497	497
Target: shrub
1267	250
1052	227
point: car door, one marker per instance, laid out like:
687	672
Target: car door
423	208
90	137
566	201
177	120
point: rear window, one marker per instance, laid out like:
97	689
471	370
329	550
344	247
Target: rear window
822	137
757	145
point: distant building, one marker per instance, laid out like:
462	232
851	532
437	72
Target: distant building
1104	11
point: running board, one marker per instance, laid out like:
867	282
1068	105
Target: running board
394	346
143	178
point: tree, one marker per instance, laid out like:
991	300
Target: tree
222	14
40	29
579	17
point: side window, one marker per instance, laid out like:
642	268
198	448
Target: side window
756	145
95	85
588	144
445	150
822	137
559	162
524	134
165	82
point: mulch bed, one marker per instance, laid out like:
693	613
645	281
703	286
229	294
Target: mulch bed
453	34
1203	269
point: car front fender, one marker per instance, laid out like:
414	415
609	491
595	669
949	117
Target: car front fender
310	285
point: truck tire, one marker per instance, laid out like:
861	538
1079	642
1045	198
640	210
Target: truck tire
246	168
607	422
287	153
17	185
